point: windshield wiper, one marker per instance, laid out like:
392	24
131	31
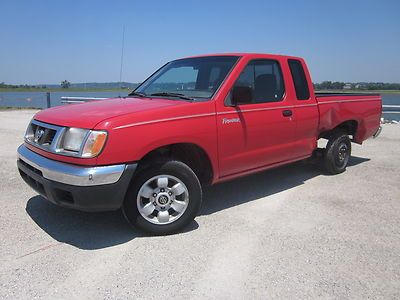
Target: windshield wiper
137	94
178	95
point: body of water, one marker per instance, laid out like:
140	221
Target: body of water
391	99
38	99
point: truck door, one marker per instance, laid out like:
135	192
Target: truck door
306	109
261	130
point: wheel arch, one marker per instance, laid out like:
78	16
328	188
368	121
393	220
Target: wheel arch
191	154
350	127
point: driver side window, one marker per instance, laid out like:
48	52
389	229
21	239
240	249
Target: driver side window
262	78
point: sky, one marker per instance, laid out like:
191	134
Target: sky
81	41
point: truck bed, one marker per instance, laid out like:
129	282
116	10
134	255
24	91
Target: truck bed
363	109
333	94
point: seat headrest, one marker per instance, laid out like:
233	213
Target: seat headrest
265	87
266	80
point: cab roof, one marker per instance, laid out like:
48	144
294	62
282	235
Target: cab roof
249	55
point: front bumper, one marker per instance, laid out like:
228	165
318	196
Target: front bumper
85	188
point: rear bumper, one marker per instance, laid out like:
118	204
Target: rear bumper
378	132
84	188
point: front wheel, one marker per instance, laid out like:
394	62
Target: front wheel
337	153
163	198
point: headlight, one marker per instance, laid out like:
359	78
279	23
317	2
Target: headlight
73	139
82	142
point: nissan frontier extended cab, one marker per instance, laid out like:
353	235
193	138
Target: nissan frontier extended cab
196	121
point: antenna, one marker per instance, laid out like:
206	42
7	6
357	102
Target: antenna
122	56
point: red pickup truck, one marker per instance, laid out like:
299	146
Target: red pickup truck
196	121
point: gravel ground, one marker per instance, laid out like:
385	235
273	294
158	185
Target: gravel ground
292	232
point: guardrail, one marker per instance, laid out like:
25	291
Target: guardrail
396	111
72	100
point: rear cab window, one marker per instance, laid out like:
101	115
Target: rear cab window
299	79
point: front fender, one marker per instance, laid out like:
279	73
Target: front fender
129	144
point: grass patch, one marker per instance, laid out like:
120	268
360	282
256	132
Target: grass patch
6	108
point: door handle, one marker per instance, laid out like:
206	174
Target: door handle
287	113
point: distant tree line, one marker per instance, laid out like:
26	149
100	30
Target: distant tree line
325	85
66	84
337	85
16	86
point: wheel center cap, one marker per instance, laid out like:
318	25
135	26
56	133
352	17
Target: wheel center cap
342	153
162	199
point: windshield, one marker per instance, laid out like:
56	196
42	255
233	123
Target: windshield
189	78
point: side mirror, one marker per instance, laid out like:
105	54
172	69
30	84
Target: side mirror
241	95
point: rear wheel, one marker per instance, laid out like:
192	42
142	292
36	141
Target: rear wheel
337	153
163	198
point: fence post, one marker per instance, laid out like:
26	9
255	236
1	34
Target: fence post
48	99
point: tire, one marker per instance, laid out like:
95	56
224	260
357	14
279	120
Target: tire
168	187
337	153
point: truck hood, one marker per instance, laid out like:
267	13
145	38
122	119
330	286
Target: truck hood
87	115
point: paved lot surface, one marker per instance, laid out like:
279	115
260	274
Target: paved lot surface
292	232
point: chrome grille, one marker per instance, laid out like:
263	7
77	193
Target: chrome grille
43	135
